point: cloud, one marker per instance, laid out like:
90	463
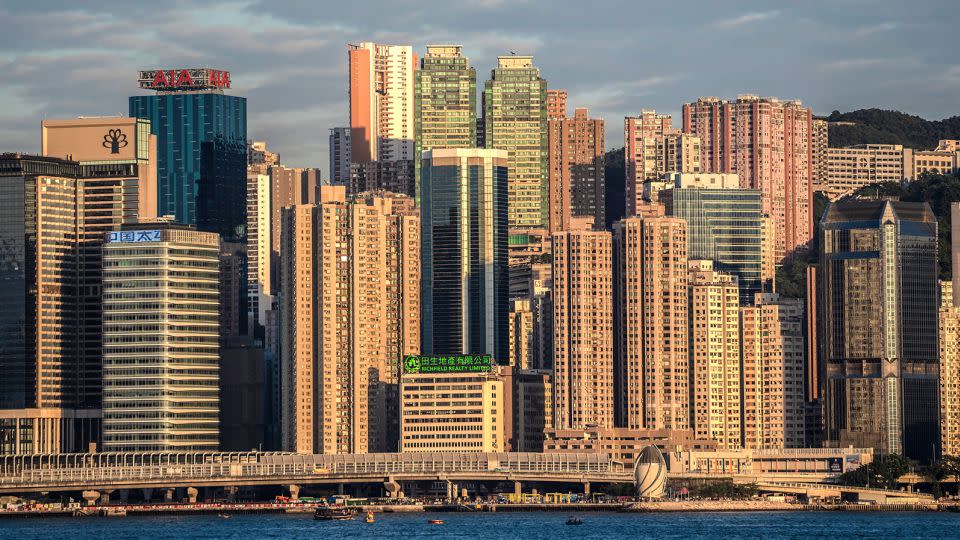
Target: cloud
858	63
745	19
865	31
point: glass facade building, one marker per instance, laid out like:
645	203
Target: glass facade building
465	281
201	158
879	304
725	226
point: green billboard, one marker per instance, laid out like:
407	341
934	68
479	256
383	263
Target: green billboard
461	363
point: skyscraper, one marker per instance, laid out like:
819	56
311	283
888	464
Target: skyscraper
515	120
350	310
653	148
576	170
340	159
651	363
724	225
259	251
289	186
464	230
769	143
201	148
714	344
161	332
583	327
381	102
445	94
878	272
773	363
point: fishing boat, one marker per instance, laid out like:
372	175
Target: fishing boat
369	518
333	513
435	521
573	520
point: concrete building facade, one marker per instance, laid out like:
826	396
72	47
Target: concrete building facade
381	102
556	104
576	172
851	168
653	148
582	327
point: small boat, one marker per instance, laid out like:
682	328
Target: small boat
224	516
572	520
332	513
435	521
369	518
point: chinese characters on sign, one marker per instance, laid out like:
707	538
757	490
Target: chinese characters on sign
462	363
134	236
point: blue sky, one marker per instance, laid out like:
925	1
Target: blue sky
65	59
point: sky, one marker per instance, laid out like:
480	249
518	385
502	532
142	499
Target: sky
66	59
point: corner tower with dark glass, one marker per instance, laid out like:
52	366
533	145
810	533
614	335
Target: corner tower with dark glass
201	148
464	252
879	307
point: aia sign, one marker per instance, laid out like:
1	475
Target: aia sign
184	79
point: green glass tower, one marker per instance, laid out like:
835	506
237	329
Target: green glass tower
445	94
515	120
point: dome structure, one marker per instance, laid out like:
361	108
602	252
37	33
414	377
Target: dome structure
650	473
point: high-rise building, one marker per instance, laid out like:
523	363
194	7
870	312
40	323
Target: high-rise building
201	148
340	159
769	143
259	159
522	346
161	333
576	170
532	408
350	310
445	94
878	274
393	176
556	104
463	201
773	363
515	120
583	327
851	168
651	363
381	102
949	339
714	344
724	224
259	252
289	186
453	409
819	158
653	148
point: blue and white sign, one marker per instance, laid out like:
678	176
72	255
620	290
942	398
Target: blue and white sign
134	236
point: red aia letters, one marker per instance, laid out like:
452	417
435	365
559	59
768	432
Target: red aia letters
181	78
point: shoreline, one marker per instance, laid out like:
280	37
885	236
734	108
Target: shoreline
121	510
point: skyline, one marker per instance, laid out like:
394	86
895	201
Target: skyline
290	60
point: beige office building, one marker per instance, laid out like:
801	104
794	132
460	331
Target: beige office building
944	159
576	170
161	339
452	412
651	323
583	327
950	379
521	333
851	168
773	362
259	250
715	405
259	158
653	148
351	311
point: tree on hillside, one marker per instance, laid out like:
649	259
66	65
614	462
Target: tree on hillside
889	127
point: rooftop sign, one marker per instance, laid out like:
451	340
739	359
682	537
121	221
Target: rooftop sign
461	363
184	79
134	236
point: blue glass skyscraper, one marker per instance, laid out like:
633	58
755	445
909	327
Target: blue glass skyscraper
201	148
